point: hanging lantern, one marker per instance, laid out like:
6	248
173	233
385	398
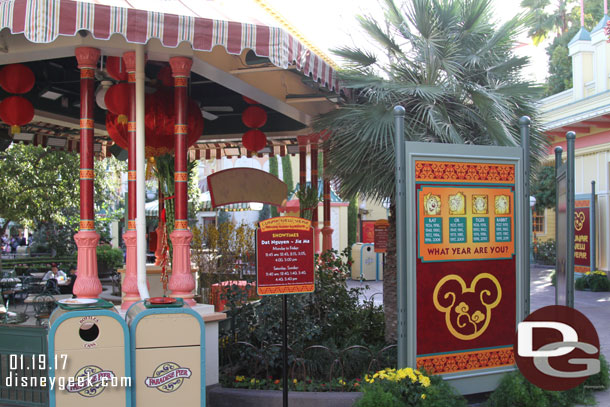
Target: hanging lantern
17	78
117	100
16	111
116	68
248	100
165	76
254	140
159	123
254	117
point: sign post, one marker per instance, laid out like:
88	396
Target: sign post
465	261
285	265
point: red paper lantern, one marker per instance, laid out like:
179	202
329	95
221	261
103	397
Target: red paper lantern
16	111
116	68
165	76
159	124
254	117
249	101
254	140
17	78
117	99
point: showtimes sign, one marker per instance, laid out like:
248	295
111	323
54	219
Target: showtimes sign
582	236
285	256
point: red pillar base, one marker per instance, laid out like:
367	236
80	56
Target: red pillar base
130	283
327	238
182	282
316	239
88	283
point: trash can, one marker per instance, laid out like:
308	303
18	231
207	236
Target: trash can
167	353
89	360
367	264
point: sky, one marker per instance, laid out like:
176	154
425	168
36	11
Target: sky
331	23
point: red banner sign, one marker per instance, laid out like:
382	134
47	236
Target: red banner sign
368	231
381	235
284	256
582	237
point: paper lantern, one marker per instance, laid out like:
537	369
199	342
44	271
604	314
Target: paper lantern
116	68
165	76
254	117
254	140
249	101
117	99
17	78
159	124
16	111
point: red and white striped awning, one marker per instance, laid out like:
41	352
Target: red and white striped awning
203	23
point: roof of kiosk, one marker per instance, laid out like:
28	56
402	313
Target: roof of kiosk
235	46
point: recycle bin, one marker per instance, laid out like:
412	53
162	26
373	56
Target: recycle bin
167	353
89	360
367	264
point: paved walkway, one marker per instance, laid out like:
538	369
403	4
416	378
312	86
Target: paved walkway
596	306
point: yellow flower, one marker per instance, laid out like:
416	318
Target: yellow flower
424	381
423	396
341	382
294	381
239	378
252	381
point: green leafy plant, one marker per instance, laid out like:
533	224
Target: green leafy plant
516	390
108	259
308	200
593	281
400	388
544	251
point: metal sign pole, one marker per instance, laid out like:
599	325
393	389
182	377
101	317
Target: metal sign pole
592	225
524	124
570	136
401	233
558	164
285	350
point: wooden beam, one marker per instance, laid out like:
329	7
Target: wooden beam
577	129
596	123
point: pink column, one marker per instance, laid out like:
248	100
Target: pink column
130	284
182	282
327	231
88	283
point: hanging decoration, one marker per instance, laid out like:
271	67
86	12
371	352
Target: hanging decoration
16	111
159	123
253	117
117	100
116	68
254	140
17	78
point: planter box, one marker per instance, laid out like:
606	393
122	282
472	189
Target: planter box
222	397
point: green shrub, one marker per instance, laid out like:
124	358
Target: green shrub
332	316
594	281
601	380
544	251
442	394
109	258
378	397
400	388
516	390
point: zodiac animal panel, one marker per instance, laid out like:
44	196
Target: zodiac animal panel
467	309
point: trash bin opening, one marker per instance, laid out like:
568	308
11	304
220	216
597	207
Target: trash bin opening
89	331
368	249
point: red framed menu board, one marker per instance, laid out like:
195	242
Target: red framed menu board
284	256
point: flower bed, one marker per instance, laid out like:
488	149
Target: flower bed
593	281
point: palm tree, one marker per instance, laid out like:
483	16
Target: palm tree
452	70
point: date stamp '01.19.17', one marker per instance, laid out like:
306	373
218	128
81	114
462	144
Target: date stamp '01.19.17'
30	371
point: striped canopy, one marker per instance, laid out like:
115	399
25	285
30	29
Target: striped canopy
203	24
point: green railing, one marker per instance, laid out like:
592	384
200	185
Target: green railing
23	351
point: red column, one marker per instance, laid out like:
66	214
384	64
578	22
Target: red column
303	141
327	231
87	284
182	281
130	284
314	185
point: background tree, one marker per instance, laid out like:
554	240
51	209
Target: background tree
452	70
544	187
559	23
274	170
287	173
